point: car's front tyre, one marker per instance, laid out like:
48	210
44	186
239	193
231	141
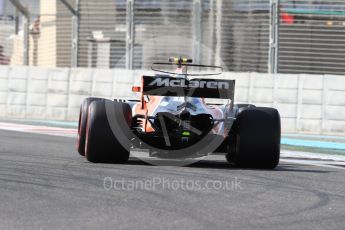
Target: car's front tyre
84	108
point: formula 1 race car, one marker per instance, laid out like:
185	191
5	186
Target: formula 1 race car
173	120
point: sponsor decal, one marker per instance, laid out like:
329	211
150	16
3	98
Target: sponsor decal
166	82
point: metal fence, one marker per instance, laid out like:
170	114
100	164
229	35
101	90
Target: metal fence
312	36
133	33
40	33
286	36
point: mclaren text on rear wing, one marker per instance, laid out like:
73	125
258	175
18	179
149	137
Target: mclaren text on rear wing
179	87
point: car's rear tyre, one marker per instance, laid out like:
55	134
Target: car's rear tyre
240	107
101	146
82	123
255	139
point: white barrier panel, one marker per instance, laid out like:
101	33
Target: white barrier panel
307	103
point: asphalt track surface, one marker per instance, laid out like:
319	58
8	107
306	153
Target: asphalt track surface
45	184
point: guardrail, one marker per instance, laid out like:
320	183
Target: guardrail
307	103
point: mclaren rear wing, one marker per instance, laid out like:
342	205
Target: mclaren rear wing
180	87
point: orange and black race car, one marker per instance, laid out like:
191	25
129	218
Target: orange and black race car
173	120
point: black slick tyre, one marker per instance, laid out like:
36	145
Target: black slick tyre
101	145
82	123
255	138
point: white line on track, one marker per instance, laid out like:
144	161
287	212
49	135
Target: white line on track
55	131
313	163
314	156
